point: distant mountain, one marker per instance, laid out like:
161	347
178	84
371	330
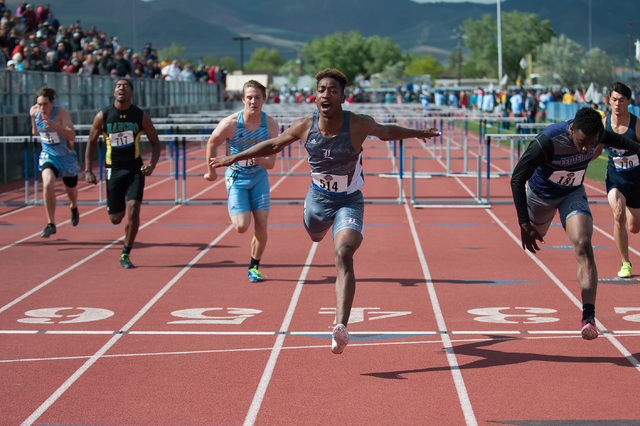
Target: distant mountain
207	27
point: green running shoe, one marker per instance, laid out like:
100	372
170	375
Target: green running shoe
625	271
125	262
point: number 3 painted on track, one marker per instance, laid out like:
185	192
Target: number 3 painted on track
530	316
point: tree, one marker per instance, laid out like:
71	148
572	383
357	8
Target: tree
264	59
424	64
351	53
291	71
521	32
559	62
175	51
347	52
228	62
381	52
597	68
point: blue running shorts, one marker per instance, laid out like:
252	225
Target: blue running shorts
248	191
322	209
66	165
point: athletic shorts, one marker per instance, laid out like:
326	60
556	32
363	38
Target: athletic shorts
65	166
123	185
628	184
321	210
247	191
542	210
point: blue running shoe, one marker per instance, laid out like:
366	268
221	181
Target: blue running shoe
254	275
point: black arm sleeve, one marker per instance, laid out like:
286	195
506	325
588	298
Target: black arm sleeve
539	151
615	140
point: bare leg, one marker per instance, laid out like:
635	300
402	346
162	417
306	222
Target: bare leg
579	229
133	222
259	240
617	202
49	194
346	242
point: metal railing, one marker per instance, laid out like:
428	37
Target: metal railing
83	96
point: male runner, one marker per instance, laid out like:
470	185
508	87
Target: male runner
247	180
333	139
57	158
553	168
623	174
122	124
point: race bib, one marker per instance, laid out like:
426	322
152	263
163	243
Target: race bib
330	183
49	138
121	139
246	163
44	157
567	178
624	163
228	181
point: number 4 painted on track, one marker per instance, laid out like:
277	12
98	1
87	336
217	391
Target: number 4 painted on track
234	316
358	314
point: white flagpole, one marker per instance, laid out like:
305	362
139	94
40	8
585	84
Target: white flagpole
499	41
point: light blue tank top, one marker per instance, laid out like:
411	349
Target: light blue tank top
244	139
53	143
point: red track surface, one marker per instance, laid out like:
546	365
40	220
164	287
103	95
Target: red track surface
453	323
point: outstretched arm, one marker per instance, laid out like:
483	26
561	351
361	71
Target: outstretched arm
297	131
388	132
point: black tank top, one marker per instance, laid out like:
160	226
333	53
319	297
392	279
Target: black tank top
122	130
620	159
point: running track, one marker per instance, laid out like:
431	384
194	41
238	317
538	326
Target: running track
453	323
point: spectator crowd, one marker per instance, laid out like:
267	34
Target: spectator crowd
33	39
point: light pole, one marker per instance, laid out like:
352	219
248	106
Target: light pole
499	13
242	40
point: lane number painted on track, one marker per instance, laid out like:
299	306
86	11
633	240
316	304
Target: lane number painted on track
370	314
232	316
632	318
236	316
506	315
65	315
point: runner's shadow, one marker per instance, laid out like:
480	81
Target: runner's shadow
494	358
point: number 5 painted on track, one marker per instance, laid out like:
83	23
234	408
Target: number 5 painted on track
530	316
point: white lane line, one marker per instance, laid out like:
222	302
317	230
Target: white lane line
461	389
352	344
95	357
354	334
615	342
258	397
